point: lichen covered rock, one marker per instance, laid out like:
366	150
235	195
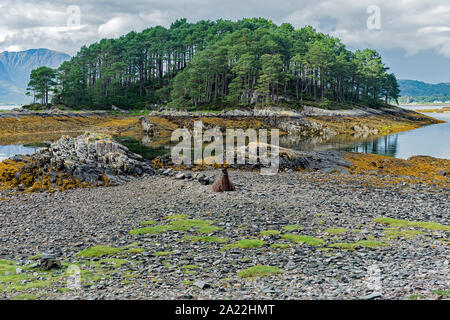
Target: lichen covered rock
88	160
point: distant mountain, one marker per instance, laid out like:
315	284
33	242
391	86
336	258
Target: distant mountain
15	69
418	91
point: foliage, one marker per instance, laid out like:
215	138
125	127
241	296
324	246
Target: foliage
259	271
304	239
222	63
42	82
421	92
98	251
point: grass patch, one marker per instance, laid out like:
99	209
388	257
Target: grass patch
245	244
30	285
304	239
359	244
409	234
259	271
135	250
267	233
336	230
419	224
179	224
189	267
442	293
163	253
99	251
293	227
205	239
187	224
25	296
116	263
147	223
7	266
35	257
280	245
149	230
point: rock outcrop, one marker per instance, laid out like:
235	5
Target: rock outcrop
87	160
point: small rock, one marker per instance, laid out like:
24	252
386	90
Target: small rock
201	284
371	296
180	176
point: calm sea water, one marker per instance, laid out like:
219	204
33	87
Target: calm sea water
433	140
7	151
9	107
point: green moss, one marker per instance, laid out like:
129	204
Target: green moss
259	271
163	253
135	250
187	224
88	277
409	234
25	296
205	239
293	227
361	243
414	297
190	266
150	230
7	266
280	245
442	293
116	263
304	239
179	224
30	285
245	244
147	223
336	230
99	251
267	233
419	224
35	257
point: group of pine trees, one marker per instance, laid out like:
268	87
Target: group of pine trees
248	62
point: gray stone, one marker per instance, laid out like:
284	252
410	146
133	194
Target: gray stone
180	176
371	296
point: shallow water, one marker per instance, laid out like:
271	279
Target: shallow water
16	149
432	140
9	107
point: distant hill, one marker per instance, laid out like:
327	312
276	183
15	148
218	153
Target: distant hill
15	69
418	91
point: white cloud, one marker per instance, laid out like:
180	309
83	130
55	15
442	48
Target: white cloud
123	24
412	25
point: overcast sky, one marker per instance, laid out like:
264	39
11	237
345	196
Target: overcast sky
413	36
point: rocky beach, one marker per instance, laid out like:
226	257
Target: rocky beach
329	225
289	236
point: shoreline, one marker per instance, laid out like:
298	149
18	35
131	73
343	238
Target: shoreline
310	122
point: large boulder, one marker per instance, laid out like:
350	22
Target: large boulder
88	160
